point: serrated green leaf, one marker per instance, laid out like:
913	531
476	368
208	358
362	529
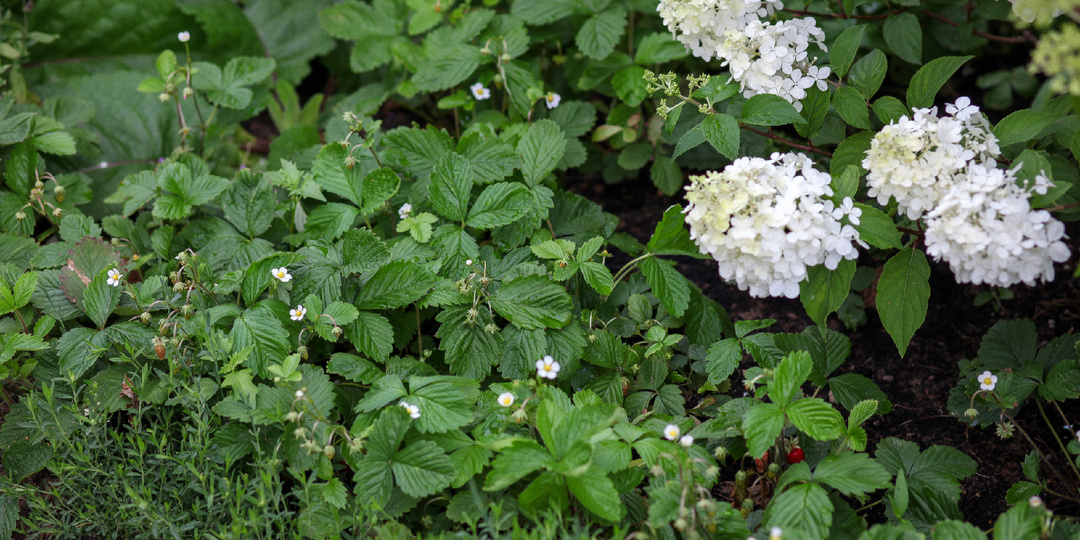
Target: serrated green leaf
903	34
532	302
259	327
930	78
667	284
889	109
396	284
499	204
330	220
449	66
671	236
541	148
258	276
25	458
722	132
600	33
248	203
789	376
852	107
597	493
516	461
903	293
816	418
843	50
537	13
451	187
187	188
769	110
445	403
823	290
421	468
804	507
852	474
722	360
354	368
598	277
877	228
629	85
761	425
100	299
362	251
852	388
657	48
1021	126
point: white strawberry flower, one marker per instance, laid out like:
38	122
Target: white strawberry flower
114	277
776	533
479	91
414	411
987	381
404	211
184	37
547	367
552	100
686	440
298	313
282	274
672	432
506	399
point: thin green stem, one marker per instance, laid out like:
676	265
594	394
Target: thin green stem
1031	441
1064	452
629	267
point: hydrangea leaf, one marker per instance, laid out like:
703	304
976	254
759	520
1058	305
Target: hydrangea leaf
824	290
930	78
843	50
770	110
722	132
903	293
903	34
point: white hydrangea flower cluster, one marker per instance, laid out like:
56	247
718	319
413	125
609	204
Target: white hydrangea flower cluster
700	24
978	219
985	228
767	220
916	160
772	58
764	57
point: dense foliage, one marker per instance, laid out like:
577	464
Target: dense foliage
394	320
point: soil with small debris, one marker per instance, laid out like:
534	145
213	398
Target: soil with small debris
917	384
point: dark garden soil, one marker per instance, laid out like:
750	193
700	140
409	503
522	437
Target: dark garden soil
917	384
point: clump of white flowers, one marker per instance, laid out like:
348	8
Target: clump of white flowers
985	228
767	220
700	24
763	57
916	160
772	58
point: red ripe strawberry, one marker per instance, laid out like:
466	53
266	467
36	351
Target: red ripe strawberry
795	455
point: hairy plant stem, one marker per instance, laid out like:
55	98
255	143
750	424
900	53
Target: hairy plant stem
629	267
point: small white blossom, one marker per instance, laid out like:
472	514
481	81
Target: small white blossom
987	381
506	399
404	211
104	165
298	313
765	221
183	37
776	533
114	277
479	91
672	432
414	411
282	274
299	394
552	100
468	262
547	367
686	440
1035	501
